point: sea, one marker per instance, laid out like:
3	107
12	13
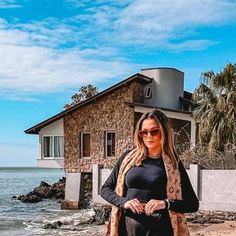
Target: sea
28	219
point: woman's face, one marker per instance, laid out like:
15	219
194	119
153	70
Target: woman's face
151	135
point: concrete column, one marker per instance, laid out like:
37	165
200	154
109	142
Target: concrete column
194	176
73	191
97	182
193	133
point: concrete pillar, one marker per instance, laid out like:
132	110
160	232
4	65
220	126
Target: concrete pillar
96	180
73	191
97	183
194	176
193	133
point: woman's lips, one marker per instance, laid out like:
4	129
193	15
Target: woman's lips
149	142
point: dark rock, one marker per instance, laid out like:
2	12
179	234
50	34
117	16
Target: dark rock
31	198
102	214
45	191
210	217
44	184
60	195
190	218
216	221
54	225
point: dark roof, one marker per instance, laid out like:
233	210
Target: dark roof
161	108
138	77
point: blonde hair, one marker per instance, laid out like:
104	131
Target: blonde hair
140	152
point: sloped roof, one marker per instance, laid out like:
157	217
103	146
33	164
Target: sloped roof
137	77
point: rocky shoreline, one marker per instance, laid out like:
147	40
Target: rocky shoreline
102	212
211	217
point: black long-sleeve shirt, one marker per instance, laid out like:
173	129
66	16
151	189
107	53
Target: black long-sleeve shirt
149	182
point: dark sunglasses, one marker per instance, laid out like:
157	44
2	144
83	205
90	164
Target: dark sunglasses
153	132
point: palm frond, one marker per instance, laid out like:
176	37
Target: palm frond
216	110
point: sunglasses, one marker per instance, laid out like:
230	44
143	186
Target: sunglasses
153	132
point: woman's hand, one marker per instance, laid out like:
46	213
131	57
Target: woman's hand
154	205
134	205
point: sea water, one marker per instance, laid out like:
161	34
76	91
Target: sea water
26	219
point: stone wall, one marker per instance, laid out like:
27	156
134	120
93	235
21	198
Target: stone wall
104	114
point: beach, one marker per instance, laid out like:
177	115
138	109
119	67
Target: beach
227	228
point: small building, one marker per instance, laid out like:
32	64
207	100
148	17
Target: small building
99	129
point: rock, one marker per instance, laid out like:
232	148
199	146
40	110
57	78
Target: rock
54	225
216	221
60	195
102	214
31	198
44	184
210	217
45	191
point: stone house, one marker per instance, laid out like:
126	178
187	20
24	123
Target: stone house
99	129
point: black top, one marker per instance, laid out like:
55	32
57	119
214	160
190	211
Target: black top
143	186
146	182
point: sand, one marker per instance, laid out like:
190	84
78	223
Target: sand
227	228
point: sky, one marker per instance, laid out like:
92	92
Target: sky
50	48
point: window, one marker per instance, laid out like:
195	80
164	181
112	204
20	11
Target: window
85	145
58	146
148	93
110	144
53	146
47	146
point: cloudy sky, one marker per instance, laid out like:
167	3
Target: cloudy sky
49	48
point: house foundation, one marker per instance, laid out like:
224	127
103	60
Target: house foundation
78	191
73	191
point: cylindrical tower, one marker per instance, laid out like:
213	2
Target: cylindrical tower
166	88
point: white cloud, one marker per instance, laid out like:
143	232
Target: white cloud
33	60
54	55
12	37
156	23
193	45
39	70
8	4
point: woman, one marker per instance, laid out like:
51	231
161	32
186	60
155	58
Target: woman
149	188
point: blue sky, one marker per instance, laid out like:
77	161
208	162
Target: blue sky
49	48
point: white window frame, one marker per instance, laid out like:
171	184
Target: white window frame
106	135
53	147
81	145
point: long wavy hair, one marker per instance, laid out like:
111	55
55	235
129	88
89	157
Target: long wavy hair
140	152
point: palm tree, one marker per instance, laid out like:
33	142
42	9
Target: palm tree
216	108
